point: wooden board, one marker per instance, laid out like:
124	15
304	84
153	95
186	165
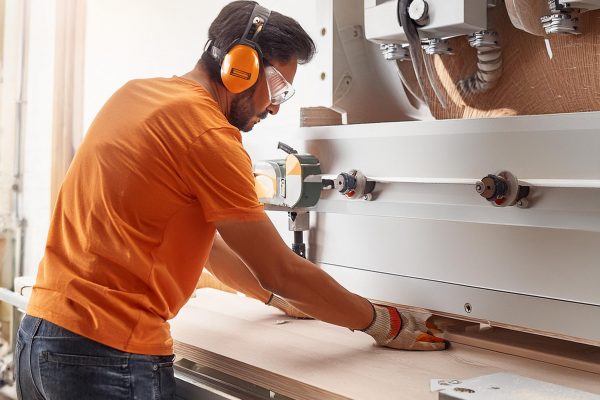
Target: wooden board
567	354
313	360
532	82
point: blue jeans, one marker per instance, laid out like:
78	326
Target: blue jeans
53	363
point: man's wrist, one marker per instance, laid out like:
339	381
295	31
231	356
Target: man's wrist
270	299
278	302
386	324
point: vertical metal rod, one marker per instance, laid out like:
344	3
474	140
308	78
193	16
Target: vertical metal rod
298	246
20	141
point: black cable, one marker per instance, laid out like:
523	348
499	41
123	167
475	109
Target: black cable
414	41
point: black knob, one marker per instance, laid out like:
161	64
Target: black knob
345	183
492	187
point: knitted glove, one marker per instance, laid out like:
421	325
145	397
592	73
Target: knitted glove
404	331
286	307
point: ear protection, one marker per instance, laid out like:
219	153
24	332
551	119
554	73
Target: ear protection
240	66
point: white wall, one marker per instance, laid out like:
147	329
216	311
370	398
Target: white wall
38	131
10	55
146	38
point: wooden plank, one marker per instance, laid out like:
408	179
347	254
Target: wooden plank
313	360
319	116
535	347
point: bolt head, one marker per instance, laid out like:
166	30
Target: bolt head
418	10
523	203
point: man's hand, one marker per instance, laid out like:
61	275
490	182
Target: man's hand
286	307
404	331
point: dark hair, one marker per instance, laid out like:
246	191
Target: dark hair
281	39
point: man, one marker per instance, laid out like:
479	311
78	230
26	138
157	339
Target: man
161	170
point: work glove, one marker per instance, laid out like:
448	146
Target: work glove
404	331
286	307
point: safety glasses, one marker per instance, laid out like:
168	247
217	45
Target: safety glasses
280	90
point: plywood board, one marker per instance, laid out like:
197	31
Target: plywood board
314	360
568	354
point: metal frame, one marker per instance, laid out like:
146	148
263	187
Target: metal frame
430	241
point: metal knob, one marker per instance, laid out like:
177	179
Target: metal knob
392	51
418	11
345	183
491	187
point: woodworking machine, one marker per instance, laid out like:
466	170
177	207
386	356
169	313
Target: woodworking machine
294	185
491	222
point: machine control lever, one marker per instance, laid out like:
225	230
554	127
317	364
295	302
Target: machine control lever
288	149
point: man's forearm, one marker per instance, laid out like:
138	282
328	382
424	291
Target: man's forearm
303	284
317	294
232	271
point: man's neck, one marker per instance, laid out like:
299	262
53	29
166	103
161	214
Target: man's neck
216	91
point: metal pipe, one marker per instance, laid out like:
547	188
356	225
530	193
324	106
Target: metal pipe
13	298
548	183
17	188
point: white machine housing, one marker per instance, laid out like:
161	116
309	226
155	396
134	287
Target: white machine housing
427	239
446	18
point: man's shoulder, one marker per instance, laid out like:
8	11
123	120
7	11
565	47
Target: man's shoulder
184	100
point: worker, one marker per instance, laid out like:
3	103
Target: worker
161	170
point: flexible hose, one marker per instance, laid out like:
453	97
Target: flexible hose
406	84
489	71
432	79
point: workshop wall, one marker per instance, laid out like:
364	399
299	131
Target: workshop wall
37	109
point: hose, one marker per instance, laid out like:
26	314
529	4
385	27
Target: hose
489	64
416	52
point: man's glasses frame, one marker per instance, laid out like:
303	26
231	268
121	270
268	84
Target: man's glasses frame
280	90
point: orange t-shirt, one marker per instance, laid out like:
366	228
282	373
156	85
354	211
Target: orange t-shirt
134	220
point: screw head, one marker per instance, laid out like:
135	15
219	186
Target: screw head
468	308
523	203
418	11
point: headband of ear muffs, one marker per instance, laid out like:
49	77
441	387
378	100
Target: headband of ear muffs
240	66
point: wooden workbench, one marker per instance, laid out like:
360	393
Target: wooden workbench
313	360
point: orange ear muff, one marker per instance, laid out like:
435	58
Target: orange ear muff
240	68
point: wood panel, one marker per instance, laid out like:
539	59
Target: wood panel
535	347
532	82
313	360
